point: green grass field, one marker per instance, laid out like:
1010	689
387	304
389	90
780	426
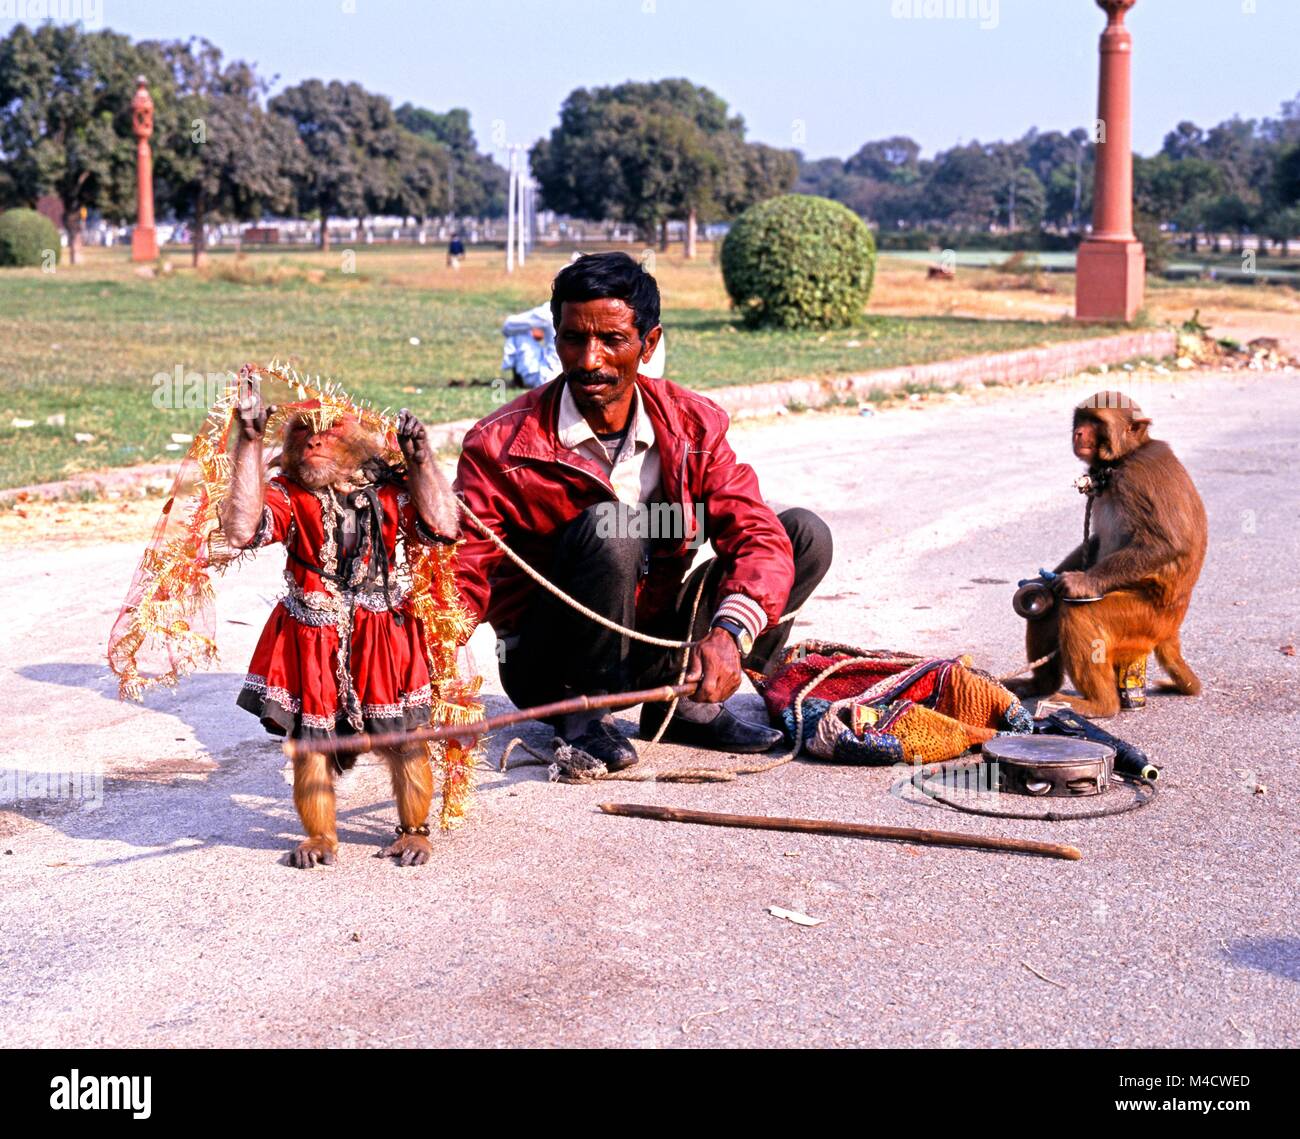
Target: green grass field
86	343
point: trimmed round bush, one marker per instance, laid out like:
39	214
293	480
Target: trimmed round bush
799	262
25	235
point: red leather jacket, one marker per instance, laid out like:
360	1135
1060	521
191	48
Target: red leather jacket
517	478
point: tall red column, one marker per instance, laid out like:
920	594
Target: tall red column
144	239
1111	264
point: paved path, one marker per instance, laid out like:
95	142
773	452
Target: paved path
165	917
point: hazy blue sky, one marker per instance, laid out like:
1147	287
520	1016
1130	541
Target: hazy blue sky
842	71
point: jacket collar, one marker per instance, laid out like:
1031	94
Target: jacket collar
538	435
573	430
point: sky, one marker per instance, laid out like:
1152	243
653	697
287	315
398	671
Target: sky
820	75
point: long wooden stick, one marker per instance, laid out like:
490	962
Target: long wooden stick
354	745
852	830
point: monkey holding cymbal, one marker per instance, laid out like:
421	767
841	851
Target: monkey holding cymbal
1125	590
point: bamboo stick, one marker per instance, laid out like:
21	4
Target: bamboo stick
851	830
354	745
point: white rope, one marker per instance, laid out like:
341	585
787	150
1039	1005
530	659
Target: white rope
574	603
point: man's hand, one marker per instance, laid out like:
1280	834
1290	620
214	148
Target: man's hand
412	438
715	663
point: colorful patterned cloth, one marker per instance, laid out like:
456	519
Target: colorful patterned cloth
885	708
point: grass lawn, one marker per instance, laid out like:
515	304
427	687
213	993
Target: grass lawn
86	343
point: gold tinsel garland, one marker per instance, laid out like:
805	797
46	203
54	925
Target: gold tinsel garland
166	628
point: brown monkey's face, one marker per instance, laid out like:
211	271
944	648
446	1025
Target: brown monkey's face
317	459
1108	426
1086	440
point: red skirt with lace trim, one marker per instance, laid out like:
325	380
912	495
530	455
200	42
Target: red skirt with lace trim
293	684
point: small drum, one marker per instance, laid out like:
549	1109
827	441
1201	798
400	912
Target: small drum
1049	765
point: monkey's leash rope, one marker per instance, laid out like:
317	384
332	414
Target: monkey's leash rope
1033	664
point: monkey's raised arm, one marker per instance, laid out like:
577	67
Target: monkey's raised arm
240	512
424	481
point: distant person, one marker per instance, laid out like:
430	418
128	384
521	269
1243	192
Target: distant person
455	251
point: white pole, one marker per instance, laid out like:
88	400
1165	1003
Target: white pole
510	217
520	180
530	200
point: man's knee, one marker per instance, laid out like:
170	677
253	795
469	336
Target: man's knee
811	540
606	533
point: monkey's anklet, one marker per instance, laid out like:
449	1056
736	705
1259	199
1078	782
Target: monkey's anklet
423	829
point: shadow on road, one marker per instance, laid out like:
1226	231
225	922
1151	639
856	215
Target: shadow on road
239	792
1277	955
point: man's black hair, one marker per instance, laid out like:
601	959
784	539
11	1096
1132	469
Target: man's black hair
596	276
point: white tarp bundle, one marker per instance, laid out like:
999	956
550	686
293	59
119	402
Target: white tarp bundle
532	357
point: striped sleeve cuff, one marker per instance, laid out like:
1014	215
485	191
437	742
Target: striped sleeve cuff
745	610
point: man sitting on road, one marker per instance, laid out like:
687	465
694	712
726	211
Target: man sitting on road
582	477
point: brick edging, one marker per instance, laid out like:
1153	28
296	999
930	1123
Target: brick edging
1024	365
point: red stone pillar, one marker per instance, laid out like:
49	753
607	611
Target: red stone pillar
144	238
1111	265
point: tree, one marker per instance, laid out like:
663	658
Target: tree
649	152
1023	199
475	184
356	151
1176	190
422	186
220	155
761	172
1186	140
1282	226
1063	165
1286	178
966	186
887	160
65	121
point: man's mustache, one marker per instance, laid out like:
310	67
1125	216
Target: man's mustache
582	376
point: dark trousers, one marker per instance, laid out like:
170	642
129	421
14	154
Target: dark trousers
561	653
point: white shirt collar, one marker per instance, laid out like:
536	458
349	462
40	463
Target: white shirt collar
574	430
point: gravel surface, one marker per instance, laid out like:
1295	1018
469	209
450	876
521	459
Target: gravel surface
164	915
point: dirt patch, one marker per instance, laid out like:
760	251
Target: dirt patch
70	524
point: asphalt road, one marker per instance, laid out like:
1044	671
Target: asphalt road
164	915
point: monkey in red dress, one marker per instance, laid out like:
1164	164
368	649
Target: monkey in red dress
342	653
1142	554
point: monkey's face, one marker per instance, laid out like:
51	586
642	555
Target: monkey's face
1086	440
1108	426
317	459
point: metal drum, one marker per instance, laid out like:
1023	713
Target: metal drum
1049	765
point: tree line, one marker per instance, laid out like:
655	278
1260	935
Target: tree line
641	153
1238	177
648	153
222	150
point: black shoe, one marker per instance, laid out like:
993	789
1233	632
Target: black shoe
725	732
602	741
